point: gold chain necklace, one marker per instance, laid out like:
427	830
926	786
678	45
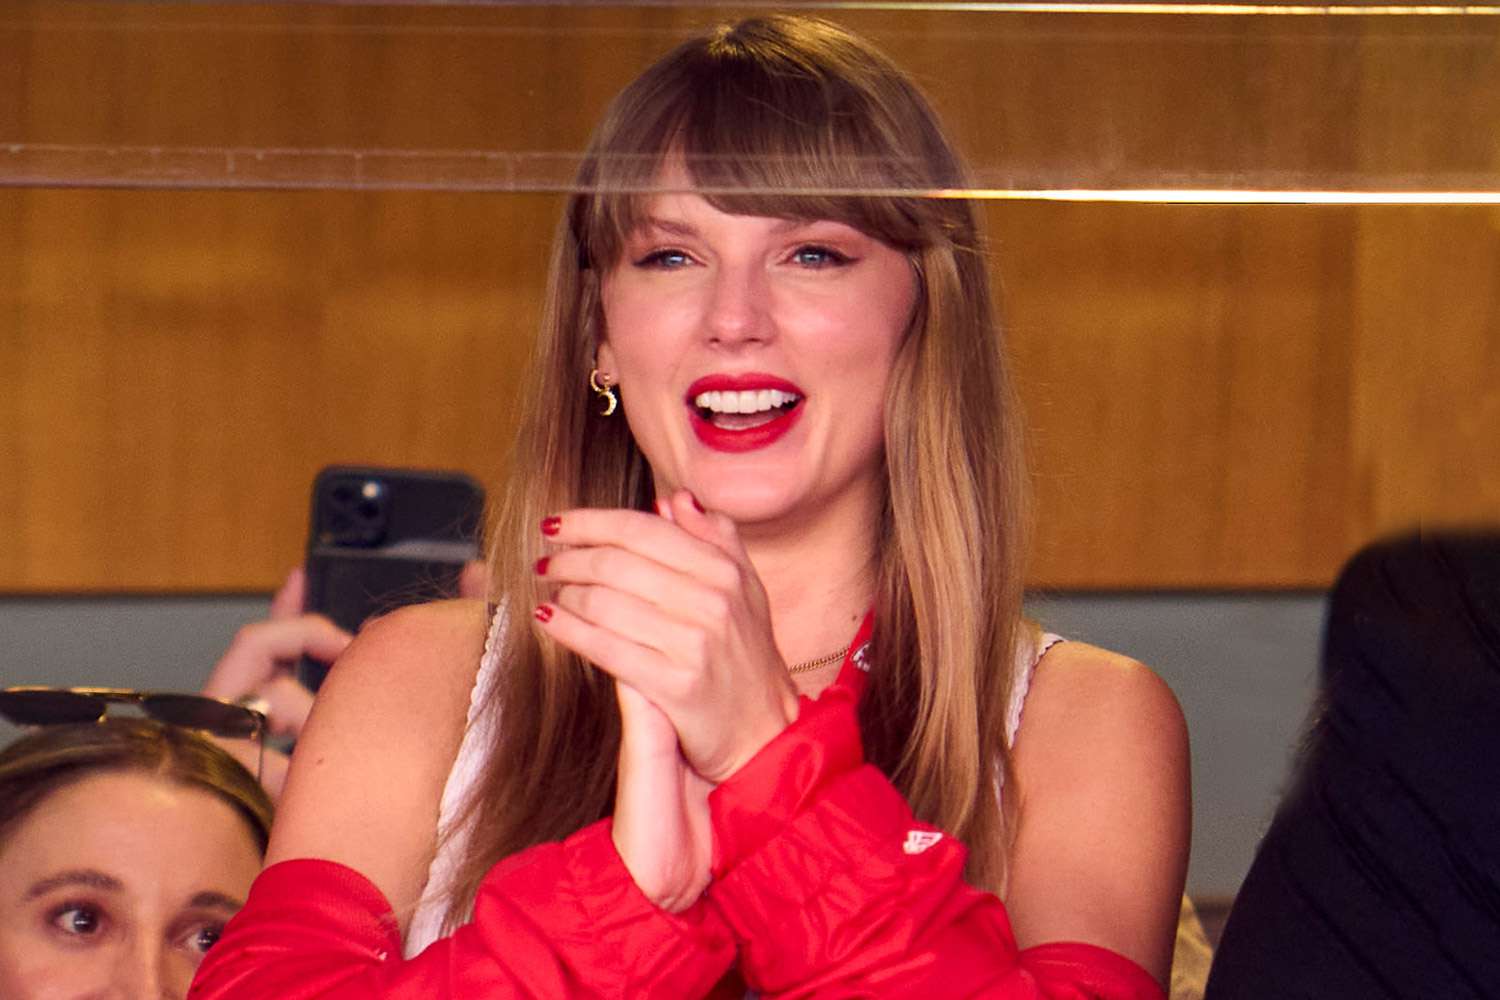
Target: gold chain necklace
822	661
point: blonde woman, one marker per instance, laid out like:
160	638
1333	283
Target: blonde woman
766	524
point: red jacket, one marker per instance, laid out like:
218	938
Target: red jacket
824	886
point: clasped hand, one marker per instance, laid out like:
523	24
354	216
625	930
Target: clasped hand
672	608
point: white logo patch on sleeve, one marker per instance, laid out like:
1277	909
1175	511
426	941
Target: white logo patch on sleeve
918	841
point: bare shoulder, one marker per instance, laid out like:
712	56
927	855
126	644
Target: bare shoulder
1101	761
416	648
1079	688
368	773
406	672
1099	728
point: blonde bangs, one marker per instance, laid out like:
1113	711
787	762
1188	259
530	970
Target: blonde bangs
762	128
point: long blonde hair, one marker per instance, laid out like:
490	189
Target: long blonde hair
788	117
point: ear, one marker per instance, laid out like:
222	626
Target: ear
604	360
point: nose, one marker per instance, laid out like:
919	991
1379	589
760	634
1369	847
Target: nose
146	971
739	307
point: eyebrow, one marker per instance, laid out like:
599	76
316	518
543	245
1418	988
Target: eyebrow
87	877
216	900
669	226
675	228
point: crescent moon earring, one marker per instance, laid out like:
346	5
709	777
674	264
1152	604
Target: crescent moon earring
601	384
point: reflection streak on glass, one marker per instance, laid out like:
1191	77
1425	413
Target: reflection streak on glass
40	165
1181	110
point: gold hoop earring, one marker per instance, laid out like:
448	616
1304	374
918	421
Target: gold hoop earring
604	391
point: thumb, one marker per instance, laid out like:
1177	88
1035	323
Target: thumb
646	734
708	525
287	603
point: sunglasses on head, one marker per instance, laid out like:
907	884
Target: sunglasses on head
49	706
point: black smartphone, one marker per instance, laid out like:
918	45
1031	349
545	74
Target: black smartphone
380	538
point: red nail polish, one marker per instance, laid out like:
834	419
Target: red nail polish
543	613
541	565
696	505
551	525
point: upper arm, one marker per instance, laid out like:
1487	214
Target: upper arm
1101	846
367	777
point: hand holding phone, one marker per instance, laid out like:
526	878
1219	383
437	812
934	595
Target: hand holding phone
259	666
380	538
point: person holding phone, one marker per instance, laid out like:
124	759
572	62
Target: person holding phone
756	708
259	667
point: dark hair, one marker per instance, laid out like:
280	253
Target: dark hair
48	760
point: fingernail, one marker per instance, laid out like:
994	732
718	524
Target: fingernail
543	613
551	525
696	505
541	565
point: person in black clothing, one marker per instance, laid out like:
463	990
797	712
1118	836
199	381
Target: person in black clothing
1380	875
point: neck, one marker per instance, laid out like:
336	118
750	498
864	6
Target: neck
819	578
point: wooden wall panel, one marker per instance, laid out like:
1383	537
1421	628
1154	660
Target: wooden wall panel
1219	397
1185	371
168	402
1426	393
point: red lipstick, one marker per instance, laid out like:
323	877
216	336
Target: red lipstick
741	439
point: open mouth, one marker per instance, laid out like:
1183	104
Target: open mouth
741	410
737	413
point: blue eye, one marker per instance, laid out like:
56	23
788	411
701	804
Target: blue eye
814	255
664	259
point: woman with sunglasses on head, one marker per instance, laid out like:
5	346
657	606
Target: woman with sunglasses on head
782	541
125	846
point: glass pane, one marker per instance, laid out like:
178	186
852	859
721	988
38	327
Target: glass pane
1364	103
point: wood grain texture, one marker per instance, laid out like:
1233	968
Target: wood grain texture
173	398
1425	398
1218	397
1185	371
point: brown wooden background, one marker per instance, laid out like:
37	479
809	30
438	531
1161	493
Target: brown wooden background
1230	396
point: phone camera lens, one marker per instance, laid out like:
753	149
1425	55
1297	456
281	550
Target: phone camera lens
353	511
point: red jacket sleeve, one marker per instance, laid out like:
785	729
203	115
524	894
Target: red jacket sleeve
833	889
559	920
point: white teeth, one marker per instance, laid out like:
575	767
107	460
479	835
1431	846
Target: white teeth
747	401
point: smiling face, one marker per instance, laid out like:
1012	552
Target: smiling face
116	885
753	355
